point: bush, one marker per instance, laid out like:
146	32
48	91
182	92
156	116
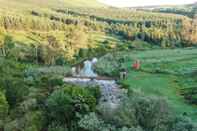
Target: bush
61	61
16	91
108	65
95	91
57	127
82	96
131	129
65	104
123	85
46	81
56	81
53	70
31	121
91	122
59	106
151	113
136	110
111	64
184	124
3	108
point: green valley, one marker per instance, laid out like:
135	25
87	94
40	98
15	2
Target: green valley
81	65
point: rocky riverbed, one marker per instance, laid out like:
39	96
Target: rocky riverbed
111	94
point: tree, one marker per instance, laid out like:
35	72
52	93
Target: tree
76	38
8	45
2	53
63	105
183	123
3	108
50	51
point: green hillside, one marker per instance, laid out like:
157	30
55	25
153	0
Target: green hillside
189	10
27	4
41	40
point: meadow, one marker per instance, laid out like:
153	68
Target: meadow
164	73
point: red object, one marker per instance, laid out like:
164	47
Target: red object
136	65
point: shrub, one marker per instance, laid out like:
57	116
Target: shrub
46	81
61	61
108	65
52	70
81	96
31	121
28	105
136	110
57	127
131	129
151	113
63	105
59	106
91	122
16	91
95	91
123	85
184	124
3	108
56	81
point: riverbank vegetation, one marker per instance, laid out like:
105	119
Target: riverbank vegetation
43	102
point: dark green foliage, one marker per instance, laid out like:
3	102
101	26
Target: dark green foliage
184	124
47	70
12	81
3	108
91	122
59	104
84	96
55	81
190	94
57	127
16	90
49	104
111	64
95	91
149	113
137	113
65	104
111	67
61	61
31	121
123	85
7	46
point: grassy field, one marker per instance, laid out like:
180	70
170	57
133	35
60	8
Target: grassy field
29	4
163	73
162	85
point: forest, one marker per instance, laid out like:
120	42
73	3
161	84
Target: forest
41	42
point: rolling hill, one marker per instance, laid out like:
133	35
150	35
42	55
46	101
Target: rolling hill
189	10
26	4
32	21
42	41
